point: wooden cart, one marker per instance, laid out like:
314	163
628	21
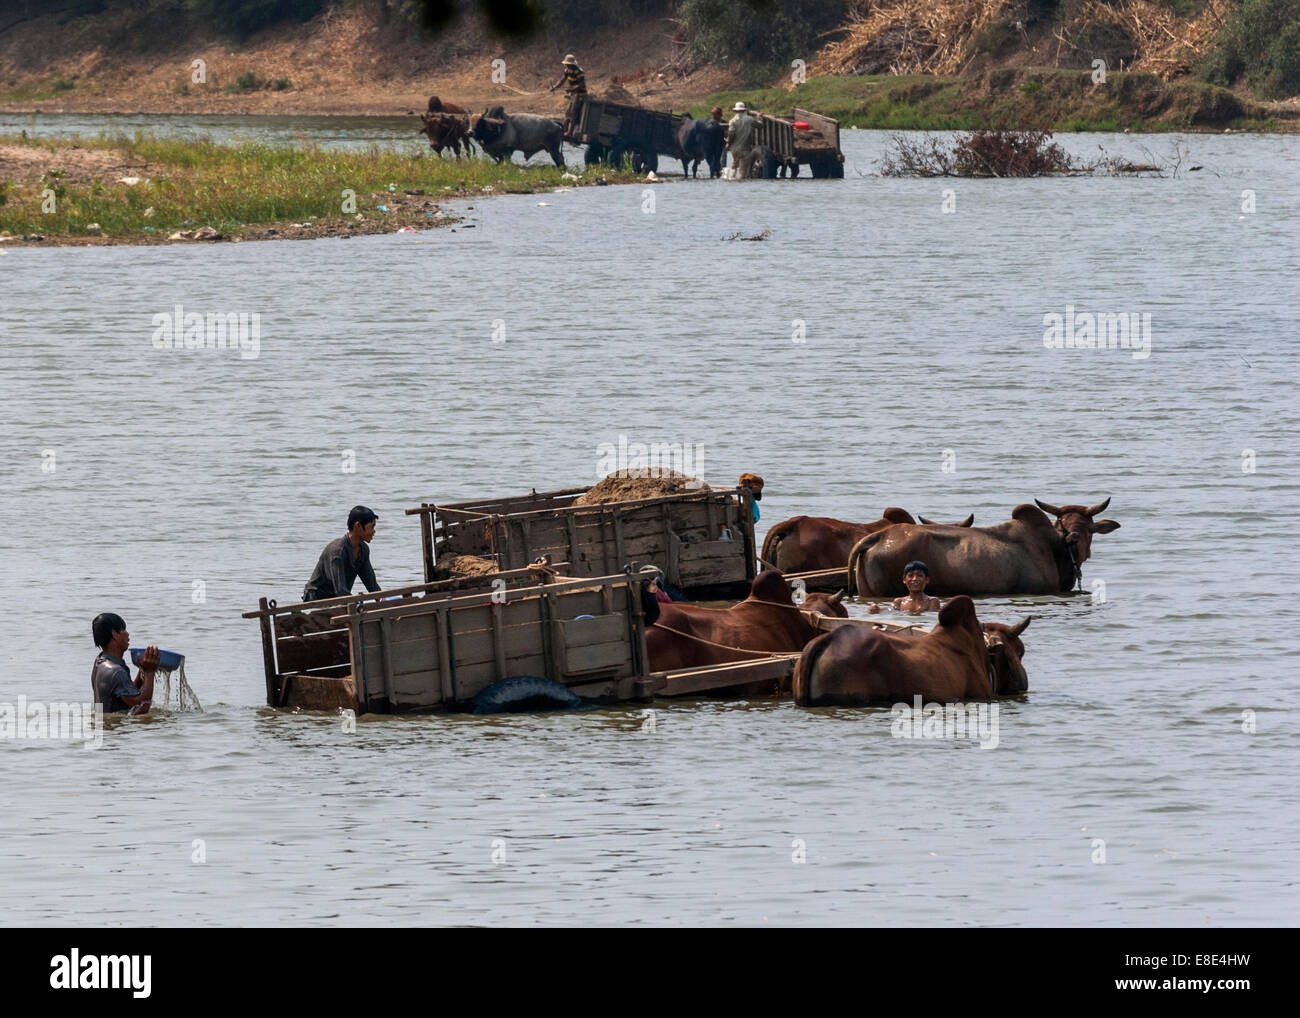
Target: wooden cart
818	147
423	649
613	132
305	647
703	541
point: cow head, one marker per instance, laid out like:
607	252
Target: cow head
1005	651
488	127
754	483
1076	525
826	604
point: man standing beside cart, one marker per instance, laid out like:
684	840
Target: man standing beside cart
740	140
575	88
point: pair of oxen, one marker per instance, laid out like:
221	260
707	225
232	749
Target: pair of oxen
960	658
498	133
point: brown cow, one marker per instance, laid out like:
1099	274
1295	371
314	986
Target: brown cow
436	105
1026	555
690	636
956	660
806	543
445	130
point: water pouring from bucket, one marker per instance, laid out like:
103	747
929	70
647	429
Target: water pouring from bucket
168	662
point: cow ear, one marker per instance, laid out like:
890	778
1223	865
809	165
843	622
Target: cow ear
1104	526
958	612
896	515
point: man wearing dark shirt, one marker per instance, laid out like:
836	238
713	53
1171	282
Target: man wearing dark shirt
344	559
109	679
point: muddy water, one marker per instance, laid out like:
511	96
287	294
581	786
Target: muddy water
184	485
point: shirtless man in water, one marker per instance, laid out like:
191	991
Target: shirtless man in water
915	577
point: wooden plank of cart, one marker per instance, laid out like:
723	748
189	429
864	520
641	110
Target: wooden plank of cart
817	146
305	651
435	650
614	131
703	541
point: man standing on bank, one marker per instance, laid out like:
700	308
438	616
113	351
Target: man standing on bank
344	559
110	680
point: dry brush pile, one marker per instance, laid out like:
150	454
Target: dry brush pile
942	36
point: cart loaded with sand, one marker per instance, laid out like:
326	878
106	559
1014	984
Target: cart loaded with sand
542	588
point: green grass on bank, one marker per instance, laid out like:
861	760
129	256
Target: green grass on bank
202	183
1030	97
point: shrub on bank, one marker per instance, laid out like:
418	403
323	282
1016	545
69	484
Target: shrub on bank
1262	42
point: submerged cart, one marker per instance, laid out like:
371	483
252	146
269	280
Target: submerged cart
702	541
435	647
613	132
817	146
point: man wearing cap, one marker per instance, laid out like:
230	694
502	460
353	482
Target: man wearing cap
740	140
915	576
344	559
575	87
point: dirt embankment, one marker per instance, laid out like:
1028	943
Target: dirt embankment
900	68
349	61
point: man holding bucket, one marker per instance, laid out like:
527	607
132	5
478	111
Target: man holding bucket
110	681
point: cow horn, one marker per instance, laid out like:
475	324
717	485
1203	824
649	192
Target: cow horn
1093	510
928	523
1022	625
837	597
1050	509
968	521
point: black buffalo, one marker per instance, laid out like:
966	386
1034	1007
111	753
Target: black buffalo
700	140
501	134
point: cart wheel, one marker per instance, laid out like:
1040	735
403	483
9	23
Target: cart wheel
524	693
595	153
837	169
618	155
818	169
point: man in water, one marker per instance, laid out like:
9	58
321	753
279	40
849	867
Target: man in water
344	559
110	680
740	140
915	576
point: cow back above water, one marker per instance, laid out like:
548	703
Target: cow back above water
805	543
767	621
1028	554
956	660
436	105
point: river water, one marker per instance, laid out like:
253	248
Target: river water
177	487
